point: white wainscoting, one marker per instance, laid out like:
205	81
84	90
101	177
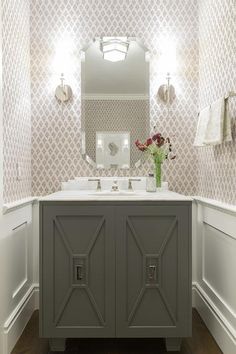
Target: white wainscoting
214	276
19	275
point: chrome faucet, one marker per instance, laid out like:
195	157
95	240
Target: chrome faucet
115	187
99	187
130	187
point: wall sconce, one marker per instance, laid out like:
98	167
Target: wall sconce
114	48
166	92
63	92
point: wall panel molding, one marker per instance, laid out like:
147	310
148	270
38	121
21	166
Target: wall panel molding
215	285
18	319
20	264
18	258
219	327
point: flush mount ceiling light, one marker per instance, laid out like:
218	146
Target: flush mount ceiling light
114	48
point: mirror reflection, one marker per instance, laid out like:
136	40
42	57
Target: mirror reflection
115	101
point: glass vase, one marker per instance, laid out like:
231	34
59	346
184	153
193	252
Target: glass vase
158	171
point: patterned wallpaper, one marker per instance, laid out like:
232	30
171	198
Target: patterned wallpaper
116	115
217	165
16	98
56	135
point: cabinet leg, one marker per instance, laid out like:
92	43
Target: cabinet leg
57	344
173	344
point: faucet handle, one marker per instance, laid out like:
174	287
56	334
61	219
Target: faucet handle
99	187
130	187
115	186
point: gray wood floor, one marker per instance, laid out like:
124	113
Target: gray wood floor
201	342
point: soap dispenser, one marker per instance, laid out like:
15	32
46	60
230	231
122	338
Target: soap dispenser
150	183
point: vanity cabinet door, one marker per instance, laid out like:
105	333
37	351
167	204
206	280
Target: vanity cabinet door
77	271
153	268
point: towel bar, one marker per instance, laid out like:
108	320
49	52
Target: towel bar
230	94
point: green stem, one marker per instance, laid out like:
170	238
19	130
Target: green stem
158	173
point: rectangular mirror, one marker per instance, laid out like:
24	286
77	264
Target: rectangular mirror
115	101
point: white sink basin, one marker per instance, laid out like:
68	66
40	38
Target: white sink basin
112	193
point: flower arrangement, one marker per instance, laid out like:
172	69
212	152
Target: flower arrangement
160	148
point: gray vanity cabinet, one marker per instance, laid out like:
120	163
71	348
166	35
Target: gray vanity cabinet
77	271
153	273
115	269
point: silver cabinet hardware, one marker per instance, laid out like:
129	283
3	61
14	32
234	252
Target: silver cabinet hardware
115	187
152	272
79	271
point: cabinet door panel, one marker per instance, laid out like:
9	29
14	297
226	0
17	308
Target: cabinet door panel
77	278
153	271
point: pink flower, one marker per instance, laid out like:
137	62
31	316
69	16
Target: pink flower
140	146
160	142
156	137
158	145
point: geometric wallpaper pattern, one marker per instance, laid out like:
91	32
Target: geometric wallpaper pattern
56	128
16	98
217	76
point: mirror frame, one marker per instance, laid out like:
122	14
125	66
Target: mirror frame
86	157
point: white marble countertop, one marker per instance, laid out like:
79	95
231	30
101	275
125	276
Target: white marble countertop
71	195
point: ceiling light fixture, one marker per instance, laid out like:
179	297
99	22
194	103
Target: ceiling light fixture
114	48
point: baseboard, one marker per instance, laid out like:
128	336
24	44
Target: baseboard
19	318
216	325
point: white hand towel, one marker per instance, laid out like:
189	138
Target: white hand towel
227	128
218	124
214	131
203	119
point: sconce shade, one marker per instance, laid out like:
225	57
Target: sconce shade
166	93
114	48
63	92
